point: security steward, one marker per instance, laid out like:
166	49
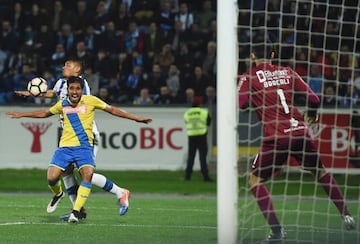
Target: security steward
197	120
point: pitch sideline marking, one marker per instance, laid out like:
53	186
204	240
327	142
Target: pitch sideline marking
117	225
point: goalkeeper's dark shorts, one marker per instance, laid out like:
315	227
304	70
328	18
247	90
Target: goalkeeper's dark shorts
274	154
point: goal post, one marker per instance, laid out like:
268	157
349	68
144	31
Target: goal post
227	178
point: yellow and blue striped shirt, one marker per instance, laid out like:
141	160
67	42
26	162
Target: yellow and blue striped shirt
78	120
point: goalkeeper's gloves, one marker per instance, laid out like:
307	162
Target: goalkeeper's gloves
310	116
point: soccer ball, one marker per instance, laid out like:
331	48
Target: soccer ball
37	86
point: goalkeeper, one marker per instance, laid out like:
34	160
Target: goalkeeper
271	90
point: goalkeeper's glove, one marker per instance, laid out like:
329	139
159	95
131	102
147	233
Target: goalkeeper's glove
310	116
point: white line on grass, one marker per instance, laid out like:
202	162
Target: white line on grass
118	225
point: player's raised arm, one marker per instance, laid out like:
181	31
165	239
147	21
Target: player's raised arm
123	114
48	94
44	113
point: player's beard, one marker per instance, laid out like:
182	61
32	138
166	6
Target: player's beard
74	100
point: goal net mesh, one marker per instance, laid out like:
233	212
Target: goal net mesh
320	41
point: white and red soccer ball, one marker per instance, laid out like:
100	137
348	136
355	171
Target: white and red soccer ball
37	86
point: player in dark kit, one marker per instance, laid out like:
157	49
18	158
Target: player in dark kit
271	90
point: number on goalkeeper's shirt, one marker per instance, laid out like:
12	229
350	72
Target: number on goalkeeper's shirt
281	94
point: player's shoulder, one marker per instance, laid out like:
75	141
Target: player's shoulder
243	77
283	67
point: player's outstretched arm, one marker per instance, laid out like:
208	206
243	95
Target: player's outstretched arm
33	114
48	94
123	114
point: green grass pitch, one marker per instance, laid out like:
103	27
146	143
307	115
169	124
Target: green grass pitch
164	209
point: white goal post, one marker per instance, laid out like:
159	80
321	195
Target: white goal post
227	178
319	40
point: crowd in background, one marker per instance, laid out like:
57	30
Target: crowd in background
164	51
318	39
134	51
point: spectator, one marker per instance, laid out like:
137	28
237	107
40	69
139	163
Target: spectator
67	38
153	42
44	43
9	40
195	40
350	99
104	95
329	99
3	59
209	61
211	34
165	98
82	54
205	15
61	16
113	88
199	82
209	100
165	18
185	62
104	66
155	79
15	62
132	85
301	64
90	39
133	39
29	38
176	37
165	58
21	79
144	98
122	19
173	80
357	80
58	59
185	17
189	97
174	5
101	17
315	79
143	12
83	17
17	18
109	40
93	80
35	19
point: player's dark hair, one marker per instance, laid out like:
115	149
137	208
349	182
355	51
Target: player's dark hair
263	50
75	79
77	61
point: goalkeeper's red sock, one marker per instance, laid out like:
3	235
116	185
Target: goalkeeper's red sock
265	203
331	187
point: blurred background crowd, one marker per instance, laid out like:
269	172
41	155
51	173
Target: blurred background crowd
162	52
135	51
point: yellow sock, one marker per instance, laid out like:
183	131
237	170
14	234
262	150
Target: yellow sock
56	188
82	195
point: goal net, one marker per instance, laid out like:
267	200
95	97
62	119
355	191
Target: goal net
320	41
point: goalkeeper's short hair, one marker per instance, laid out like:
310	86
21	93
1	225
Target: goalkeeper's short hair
263	50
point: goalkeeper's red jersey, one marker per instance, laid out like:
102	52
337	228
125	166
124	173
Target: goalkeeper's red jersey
271	90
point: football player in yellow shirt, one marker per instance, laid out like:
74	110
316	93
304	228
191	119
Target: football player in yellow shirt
76	140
